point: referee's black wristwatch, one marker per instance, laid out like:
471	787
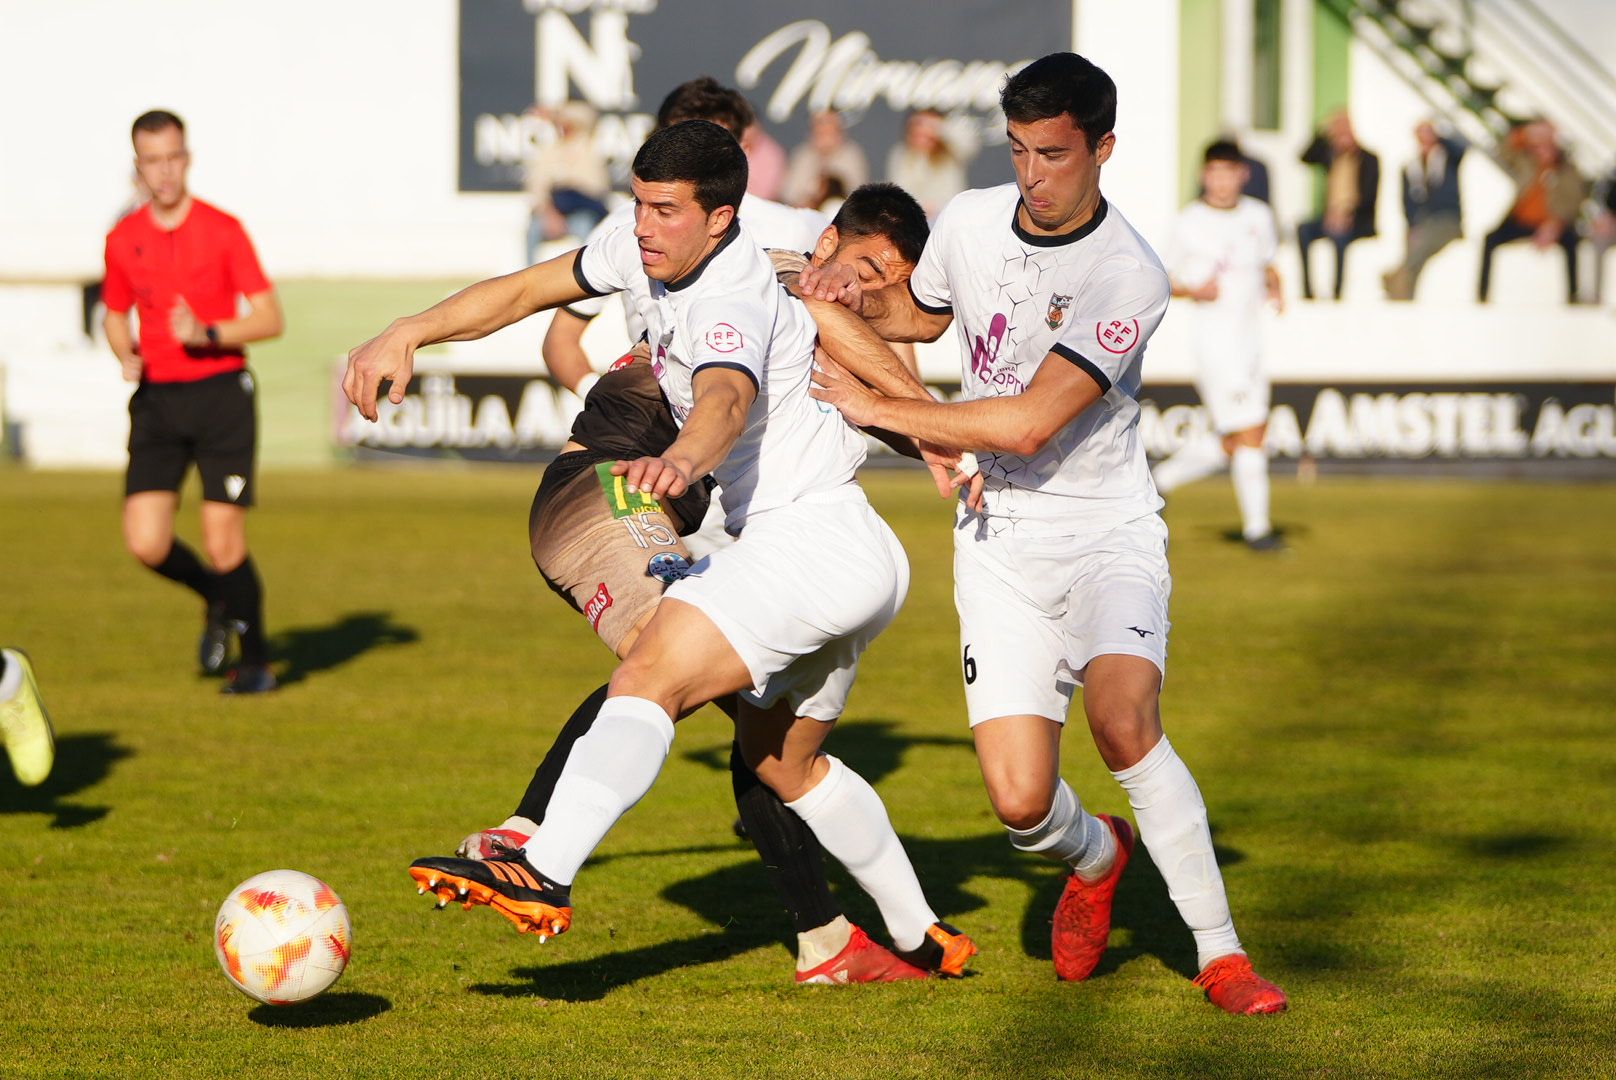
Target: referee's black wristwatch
212	333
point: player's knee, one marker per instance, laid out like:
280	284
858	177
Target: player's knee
643	675
1021	805
225	555
149	547
1124	731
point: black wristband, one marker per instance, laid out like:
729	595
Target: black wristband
213	334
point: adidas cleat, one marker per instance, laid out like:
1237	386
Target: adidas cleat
1082	923
860	961
1234	987
25	727
491	844
944	952
508	884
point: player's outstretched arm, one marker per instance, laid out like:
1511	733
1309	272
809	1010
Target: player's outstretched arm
855	346
563	351
473	312
722	397
891	311
1016	424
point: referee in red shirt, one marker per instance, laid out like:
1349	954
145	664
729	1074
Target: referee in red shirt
183	265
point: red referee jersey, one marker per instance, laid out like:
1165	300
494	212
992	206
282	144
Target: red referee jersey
208	260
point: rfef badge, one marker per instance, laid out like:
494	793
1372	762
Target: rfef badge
622	501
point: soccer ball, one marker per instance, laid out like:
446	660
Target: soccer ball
282	937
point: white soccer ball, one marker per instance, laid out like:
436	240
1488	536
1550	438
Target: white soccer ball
282	937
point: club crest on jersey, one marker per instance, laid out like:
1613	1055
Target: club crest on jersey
1057	310
667	567
597	607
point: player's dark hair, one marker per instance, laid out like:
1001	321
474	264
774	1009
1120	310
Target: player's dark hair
1224	150
885	210
701	153
154	121
1062	84
705	98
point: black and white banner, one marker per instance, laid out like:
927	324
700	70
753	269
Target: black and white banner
873	62
1549	425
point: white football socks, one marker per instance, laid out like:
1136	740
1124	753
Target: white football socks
1172	824
1249	469
1070	835
851	823
609	770
1201	456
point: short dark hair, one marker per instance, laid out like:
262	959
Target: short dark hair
154	121
1224	150
1062	84
705	98
885	210
699	152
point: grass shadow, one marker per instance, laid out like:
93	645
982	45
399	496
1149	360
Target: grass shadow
308	650
327	1010
82	762
1519	845
872	748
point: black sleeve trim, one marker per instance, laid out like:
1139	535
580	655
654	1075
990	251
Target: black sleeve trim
733	366
578	274
1084	366
586	316
946	309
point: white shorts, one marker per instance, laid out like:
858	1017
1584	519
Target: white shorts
1035	610
1235	391
800	595
710	535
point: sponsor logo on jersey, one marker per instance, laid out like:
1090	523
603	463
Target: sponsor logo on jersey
234	485
985	353
622	362
724	338
597	606
667	567
1140	632
1057	310
1118	335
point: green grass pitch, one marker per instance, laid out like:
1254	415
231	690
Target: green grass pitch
1404	732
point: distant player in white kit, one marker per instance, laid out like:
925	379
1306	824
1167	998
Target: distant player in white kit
1222	257
1061	575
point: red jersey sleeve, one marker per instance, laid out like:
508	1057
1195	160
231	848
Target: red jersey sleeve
116	291
246	275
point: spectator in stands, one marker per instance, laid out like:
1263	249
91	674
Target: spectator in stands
826	154
1602	230
765	162
1431	204
1351	182
566	178
930	162
1549	192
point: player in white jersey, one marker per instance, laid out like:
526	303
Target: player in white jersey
773	224
1061	573
733	353
1221	255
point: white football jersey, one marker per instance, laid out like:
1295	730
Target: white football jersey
1233	247
774	225
732	312
1090	298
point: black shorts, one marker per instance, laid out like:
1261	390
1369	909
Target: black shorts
212	422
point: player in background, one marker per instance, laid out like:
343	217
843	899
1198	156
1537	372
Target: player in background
612	563
1061	575
184	265
25	726
1221	256
732	352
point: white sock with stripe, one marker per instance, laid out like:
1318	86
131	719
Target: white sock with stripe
609	770
851	823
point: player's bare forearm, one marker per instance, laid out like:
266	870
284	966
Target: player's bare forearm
892	313
859	349
262	322
722	399
563	349
478	310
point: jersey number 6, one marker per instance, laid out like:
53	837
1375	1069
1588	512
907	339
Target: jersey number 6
970	667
